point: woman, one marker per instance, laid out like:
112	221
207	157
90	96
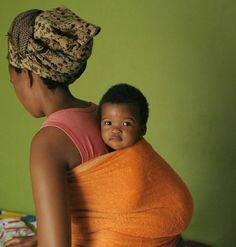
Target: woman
47	51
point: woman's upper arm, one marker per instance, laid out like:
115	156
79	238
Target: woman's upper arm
48	168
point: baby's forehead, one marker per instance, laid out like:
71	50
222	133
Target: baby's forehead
129	107
125	105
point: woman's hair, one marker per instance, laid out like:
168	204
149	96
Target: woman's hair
124	93
55	44
51	84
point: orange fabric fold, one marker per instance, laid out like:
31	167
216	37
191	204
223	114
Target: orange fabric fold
130	197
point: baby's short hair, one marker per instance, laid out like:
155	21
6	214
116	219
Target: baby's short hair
124	93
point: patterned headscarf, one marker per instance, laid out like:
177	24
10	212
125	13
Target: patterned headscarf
54	44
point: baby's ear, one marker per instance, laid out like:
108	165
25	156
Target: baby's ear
143	129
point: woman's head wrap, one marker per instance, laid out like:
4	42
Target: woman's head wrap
54	44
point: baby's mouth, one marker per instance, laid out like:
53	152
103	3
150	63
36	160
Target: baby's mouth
115	138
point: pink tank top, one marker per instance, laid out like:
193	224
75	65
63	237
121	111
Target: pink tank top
82	127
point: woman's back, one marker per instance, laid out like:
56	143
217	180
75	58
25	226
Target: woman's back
81	126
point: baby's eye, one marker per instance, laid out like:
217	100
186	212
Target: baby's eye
126	123
108	123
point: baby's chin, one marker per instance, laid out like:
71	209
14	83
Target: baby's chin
112	148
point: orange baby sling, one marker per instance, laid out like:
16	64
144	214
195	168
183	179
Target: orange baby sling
128	198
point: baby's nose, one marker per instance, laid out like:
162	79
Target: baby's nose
116	130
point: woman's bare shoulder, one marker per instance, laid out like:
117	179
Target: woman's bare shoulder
54	145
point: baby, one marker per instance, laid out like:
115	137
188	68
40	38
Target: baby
123	112
153	194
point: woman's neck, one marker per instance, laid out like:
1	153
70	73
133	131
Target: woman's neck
60	99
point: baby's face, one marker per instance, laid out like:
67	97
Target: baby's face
120	125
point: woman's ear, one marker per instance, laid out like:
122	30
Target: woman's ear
27	77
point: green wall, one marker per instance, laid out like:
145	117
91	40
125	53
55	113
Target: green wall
182	54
